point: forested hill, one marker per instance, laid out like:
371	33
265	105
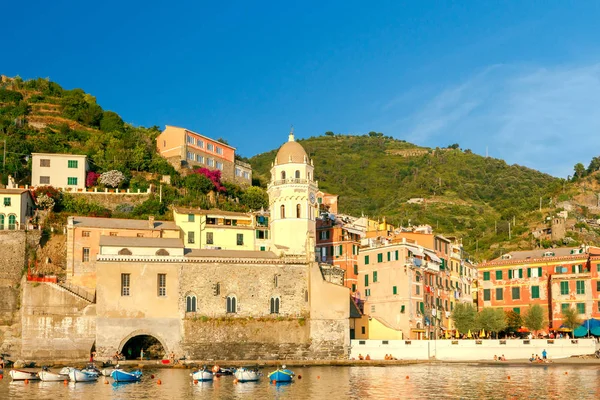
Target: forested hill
465	194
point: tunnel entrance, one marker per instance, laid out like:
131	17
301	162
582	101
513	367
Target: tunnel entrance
151	346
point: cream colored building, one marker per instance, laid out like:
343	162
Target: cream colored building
16	208
62	171
216	229
292	199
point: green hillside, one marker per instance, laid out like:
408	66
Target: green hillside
465	194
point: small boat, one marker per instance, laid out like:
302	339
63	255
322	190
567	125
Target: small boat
47	376
243	374
202	375
281	375
78	375
218	371
20	375
91	368
65	371
123	376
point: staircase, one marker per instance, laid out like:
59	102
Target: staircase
77	291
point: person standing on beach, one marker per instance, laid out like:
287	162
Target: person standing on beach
544	354
142	354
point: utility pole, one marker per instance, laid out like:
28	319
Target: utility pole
540	204
509	231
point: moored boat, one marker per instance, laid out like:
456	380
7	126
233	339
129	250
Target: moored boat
20	375
218	371
78	375
202	375
47	376
123	376
65	371
243	374
281	375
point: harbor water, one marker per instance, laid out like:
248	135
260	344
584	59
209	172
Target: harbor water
421	381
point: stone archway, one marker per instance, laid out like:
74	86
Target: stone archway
153	345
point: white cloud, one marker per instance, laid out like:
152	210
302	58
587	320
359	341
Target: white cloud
543	118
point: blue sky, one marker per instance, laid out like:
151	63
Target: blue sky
520	78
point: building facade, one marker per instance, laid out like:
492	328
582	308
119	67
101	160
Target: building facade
553	278
16	209
184	148
62	171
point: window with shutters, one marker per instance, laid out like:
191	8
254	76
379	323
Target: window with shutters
125	282
231	304
240	239
366	280
374	276
86	254
380	257
580	287
498	275
499	294
517	310
162	285
564	306
564	287
71	181
44	180
71	164
209	238
274	305
516	293
366	260
44	162
535	292
191	237
486	276
487	294
394	290
581	308
190	303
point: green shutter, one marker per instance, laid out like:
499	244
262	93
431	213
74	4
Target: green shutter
573	269
422	307
366	280
374	276
498	275
529	272
510	274
402	308
486	275
355	269
398	257
539	272
389	256
366	260
380	257
535	292
486	294
521	273
395	290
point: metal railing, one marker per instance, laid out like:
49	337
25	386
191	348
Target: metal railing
78	291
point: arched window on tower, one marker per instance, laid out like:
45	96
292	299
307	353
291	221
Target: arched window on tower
282	211
297	210
231	304
297	174
190	303
274	305
283	175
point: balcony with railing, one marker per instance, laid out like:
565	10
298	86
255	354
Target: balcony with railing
292	181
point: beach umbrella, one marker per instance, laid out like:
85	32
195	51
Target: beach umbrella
447	335
457	334
580	331
596	331
469	334
482	334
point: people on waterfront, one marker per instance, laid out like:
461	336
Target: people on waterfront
495	357
368	357
502	358
92	356
360	357
532	358
142	354
544	354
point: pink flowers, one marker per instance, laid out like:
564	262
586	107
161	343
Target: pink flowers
214	176
91	179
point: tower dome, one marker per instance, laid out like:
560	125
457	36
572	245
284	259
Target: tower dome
291	152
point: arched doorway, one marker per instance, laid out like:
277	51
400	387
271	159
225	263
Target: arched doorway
132	347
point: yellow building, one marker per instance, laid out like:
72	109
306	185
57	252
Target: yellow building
16	209
216	229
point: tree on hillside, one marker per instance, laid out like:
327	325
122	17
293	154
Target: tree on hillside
111	122
454	146
464	317
571	318
255	198
594	165
198	183
535	319
579	171
329	133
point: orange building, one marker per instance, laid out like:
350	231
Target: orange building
338	243
554	278
187	149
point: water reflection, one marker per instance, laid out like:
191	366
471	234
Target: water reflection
423	381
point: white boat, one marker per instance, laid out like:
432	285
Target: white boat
65	371
20	375
47	376
76	375
202	375
246	375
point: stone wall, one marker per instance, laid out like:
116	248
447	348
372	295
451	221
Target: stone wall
113	200
56	324
246	339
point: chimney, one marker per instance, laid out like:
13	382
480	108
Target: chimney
151	222
70	221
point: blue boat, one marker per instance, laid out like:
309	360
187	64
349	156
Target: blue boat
281	375
123	376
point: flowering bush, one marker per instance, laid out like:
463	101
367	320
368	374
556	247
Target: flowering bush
91	179
214	176
45	202
111	178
